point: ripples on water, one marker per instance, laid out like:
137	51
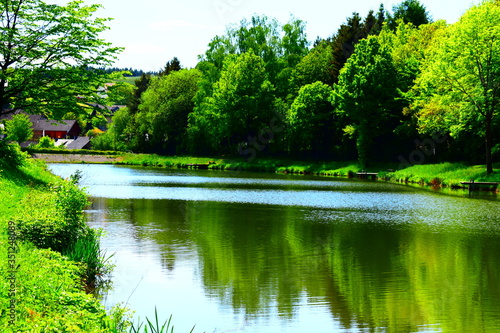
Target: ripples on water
277	253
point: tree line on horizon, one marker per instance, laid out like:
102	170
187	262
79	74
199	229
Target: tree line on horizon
380	88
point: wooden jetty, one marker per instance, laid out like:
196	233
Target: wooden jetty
367	175
475	186
199	165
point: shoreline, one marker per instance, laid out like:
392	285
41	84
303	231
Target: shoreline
434	176
76	158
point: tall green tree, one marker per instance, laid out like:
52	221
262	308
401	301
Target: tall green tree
311	120
365	94
315	66
279	46
458	90
409	11
165	108
45	54
240	106
350	34
408	46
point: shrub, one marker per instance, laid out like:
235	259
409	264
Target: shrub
70	201
59	223
46	233
19	128
45	142
11	155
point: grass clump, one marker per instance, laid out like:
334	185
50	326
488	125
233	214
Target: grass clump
154	327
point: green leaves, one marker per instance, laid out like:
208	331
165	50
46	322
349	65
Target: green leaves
45	52
459	88
365	93
165	108
311	119
240	105
19	128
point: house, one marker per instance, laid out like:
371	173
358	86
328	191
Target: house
81	142
55	129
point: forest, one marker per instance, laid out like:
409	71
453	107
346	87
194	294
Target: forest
391	86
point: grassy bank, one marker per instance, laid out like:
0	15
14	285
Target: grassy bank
281	165
443	174
41	227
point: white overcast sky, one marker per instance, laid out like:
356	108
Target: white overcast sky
155	31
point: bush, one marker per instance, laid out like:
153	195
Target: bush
45	142
61	223
46	233
11	155
19	128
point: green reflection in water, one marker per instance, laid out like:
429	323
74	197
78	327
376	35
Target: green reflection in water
263	259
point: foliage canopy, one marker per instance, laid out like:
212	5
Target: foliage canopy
46	51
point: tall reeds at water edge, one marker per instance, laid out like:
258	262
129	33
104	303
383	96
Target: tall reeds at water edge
154	327
86	250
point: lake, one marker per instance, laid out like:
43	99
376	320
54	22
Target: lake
255	252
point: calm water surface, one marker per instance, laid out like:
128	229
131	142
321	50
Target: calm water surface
273	253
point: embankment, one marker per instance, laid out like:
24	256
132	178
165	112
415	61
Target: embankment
41	224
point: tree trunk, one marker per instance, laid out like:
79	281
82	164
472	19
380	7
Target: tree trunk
488	144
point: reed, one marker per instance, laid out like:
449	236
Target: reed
87	250
154	327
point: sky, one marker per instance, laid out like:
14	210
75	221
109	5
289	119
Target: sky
155	31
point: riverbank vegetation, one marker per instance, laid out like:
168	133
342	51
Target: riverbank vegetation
52	259
440	174
392	87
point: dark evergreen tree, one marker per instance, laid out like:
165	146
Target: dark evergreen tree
173	65
350	34
141	85
410	11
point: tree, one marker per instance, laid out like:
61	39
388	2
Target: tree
408	46
46	52
240	106
279	46
173	65
141	85
350	34
165	108
19	128
365	93
409	11
310	120
116	137
315	66
459	88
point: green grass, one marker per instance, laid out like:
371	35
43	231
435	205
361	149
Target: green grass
281	165
443	174
86	250
154	326
49	293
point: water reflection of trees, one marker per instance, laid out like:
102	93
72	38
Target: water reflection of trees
402	280
256	258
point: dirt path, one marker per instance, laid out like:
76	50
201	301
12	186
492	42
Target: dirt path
76	158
